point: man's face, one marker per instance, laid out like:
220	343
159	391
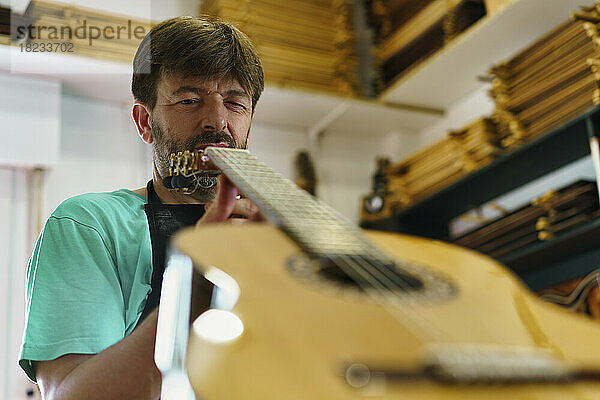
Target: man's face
193	112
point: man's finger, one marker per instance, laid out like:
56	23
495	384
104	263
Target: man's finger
257	217
244	208
222	207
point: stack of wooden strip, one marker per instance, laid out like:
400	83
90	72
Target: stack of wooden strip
303	43
408	31
543	219
461	17
441	164
5	20
551	82
118	38
4	25
9	22
385	15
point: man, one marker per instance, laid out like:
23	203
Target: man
92	279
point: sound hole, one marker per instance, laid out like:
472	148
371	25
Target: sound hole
366	273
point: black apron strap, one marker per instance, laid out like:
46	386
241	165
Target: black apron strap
163	221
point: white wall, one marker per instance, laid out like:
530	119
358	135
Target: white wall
398	145
15	239
277	146
100	151
475	105
30	115
344	166
16	5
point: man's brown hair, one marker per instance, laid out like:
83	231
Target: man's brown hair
195	46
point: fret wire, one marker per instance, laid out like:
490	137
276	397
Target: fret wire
306	202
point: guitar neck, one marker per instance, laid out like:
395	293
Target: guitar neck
316	227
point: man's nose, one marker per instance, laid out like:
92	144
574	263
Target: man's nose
214	117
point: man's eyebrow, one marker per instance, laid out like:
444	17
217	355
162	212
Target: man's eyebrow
188	89
238	93
200	91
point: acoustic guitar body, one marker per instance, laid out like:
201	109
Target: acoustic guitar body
309	336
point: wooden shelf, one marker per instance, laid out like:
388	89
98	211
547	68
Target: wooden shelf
452	73
429	217
556	272
573	242
306	110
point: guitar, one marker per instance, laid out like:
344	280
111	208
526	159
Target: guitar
312	307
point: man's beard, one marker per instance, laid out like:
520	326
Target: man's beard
165	145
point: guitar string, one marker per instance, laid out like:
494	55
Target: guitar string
376	283
378	265
368	268
417	318
385	282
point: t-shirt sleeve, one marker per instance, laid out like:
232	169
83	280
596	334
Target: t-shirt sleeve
74	300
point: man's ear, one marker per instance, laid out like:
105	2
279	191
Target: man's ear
143	121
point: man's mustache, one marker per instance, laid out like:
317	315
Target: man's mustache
211	137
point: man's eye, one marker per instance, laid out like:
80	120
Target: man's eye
188	101
233	103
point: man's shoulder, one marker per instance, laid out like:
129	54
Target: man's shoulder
119	203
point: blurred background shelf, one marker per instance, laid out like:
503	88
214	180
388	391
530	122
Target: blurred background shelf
580	264
571	254
452	73
430	216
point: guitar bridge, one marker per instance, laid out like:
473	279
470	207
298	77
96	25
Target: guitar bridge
473	365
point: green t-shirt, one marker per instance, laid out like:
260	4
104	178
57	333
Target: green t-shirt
88	278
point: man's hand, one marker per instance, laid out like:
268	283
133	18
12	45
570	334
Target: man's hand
227	208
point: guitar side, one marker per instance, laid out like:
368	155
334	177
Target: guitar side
300	335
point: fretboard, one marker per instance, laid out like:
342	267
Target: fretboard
316	227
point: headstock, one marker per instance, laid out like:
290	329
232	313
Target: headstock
187	169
